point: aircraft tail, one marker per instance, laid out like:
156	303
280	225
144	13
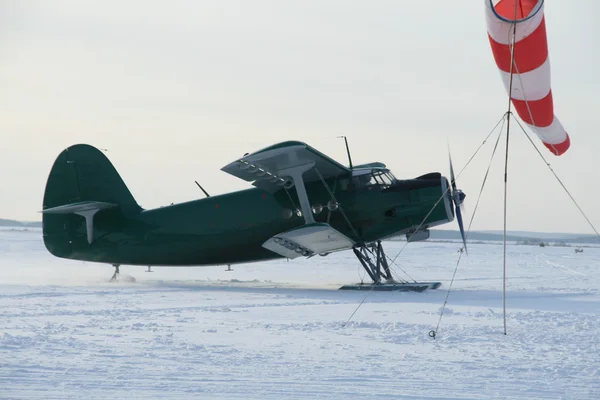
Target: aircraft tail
83	183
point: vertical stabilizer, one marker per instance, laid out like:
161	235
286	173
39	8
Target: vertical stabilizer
83	190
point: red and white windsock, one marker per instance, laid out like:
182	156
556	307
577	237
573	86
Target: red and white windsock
531	92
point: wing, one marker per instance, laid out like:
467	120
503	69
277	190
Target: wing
308	240
266	168
271	169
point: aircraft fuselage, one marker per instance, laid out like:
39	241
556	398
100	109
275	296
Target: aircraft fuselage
232	227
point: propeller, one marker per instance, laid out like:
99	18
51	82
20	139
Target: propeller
458	197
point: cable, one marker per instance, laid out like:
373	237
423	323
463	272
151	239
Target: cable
392	263
338	204
359	269
357	307
535	128
328	210
291	200
400	280
484	180
433	333
558	179
447	189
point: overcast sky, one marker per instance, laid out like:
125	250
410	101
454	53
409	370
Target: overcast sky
175	90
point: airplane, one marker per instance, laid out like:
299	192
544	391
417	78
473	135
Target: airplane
303	204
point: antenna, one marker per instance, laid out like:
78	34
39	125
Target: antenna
347	150
201	188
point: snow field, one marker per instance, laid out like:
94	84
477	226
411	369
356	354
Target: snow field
275	330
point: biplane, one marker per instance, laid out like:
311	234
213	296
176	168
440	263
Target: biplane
303	204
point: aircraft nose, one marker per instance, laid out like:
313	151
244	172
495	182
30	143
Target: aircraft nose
460	196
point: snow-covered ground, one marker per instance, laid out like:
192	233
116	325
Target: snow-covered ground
275	330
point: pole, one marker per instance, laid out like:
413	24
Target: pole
508	115
504	244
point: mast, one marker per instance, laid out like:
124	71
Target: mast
347	150
508	115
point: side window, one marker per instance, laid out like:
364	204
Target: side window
360	180
363	180
344	184
371	179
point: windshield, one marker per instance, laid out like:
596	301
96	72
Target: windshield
371	179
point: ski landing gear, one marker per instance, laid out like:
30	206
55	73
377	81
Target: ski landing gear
116	274
374	261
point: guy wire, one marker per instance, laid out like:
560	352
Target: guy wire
448	189
558	179
433	333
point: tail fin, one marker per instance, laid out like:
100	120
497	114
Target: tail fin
83	173
82	182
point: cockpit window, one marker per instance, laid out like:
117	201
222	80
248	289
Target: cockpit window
372	179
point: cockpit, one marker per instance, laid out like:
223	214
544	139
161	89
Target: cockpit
372	177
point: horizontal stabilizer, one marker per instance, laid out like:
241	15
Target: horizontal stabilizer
79	207
87	209
308	240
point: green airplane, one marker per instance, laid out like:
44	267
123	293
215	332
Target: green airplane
303	204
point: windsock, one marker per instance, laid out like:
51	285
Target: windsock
531	93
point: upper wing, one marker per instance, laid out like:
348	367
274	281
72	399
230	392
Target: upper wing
266	167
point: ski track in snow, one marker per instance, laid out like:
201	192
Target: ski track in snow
275	330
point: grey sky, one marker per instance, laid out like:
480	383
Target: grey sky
176	90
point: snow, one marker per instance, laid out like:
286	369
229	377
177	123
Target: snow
276	330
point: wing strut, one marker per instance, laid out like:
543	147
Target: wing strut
296	174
